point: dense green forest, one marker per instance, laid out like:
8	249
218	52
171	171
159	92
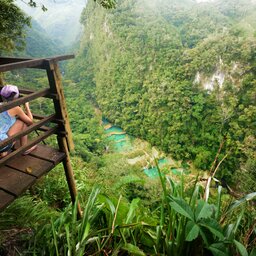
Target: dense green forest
164	75
179	77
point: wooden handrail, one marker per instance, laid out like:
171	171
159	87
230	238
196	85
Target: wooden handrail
32	63
28	130
7	60
55	120
29	91
27	98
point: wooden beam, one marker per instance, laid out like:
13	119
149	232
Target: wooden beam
61	57
35	63
22	100
69	174
7	60
28	91
54	78
31	63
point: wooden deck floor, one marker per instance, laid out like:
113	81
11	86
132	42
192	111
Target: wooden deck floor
21	172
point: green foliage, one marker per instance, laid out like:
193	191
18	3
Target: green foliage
183	224
12	24
38	44
108	4
139	63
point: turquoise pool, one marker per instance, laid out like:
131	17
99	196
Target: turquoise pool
121	142
117	137
114	129
153	172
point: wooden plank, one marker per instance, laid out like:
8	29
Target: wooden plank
15	182
30	165
5	199
47	153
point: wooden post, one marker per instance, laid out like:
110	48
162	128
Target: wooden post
69	174
65	142
54	78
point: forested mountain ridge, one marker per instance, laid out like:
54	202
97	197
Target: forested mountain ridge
179	74
39	44
61	20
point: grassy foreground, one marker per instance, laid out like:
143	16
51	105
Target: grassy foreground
183	223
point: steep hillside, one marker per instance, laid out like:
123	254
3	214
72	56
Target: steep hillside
61	20
177	73
38	44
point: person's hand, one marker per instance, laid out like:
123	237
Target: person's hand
27	105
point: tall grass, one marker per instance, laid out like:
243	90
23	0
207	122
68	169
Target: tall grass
184	224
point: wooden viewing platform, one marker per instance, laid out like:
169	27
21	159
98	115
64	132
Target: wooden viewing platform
19	172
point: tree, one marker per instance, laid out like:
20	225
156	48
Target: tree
12	24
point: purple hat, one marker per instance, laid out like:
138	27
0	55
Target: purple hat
10	90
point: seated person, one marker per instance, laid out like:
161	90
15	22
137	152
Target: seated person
14	120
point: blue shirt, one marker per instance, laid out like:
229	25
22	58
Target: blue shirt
6	122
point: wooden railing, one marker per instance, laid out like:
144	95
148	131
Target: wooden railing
55	123
35	126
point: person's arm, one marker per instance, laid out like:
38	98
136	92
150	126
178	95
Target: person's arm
28	111
19	113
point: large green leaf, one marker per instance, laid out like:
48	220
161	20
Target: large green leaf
180	206
243	200
213	226
134	250
194	196
242	250
219	249
109	204
203	210
133	207
192	231
229	230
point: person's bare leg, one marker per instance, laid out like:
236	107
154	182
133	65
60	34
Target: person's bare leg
18	127
3	154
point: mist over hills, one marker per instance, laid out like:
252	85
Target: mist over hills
39	44
61	20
